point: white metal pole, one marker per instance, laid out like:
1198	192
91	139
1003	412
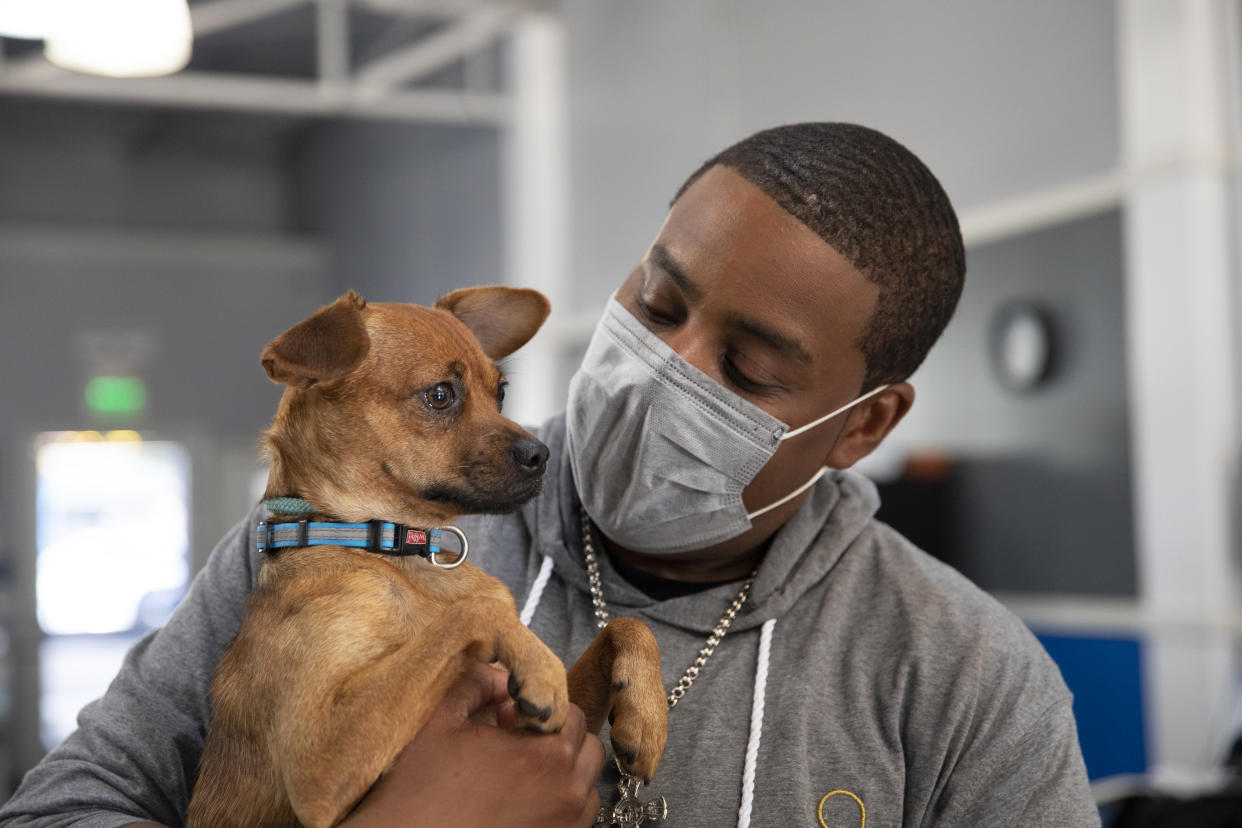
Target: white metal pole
1183	365
332	45
536	181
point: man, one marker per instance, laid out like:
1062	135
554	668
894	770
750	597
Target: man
800	278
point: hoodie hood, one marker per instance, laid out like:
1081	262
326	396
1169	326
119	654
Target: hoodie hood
801	554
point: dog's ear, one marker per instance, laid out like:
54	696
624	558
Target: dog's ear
503	319
325	346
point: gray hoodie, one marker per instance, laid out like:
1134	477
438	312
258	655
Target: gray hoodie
889	685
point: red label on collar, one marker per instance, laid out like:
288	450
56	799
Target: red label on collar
415	537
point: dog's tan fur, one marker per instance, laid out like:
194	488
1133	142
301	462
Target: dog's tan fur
344	653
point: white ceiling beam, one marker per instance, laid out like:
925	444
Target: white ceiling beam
222	15
66	242
33	66
434	52
423	8
190	90
1037	210
375	94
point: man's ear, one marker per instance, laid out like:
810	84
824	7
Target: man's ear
325	346
503	319
869	423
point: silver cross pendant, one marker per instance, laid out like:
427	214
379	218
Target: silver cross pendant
630	811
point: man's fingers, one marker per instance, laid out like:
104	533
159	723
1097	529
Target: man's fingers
593	758
506	715
499	678
591	811
589	758
588	749
478	687
574	728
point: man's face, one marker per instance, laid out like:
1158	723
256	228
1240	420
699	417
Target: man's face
756	300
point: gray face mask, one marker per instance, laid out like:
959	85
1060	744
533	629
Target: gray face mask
660	451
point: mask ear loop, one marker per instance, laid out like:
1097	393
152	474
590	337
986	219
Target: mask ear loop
828	417
823	469
808	484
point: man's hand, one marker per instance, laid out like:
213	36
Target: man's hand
459	772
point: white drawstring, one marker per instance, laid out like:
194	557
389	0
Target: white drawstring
757	702
536	590
756	724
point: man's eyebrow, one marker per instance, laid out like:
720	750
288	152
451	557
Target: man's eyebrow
782	342
664	260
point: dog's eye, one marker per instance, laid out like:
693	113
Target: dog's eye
500	395
440	396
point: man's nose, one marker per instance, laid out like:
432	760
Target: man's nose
692	345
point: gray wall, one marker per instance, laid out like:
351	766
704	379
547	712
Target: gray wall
409	212
1043	477
177	227
996	97
1079	418
140	167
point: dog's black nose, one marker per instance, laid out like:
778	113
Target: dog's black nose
531	455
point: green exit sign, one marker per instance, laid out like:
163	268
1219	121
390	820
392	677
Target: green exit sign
116	395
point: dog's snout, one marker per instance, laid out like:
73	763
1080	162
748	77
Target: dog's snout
531	455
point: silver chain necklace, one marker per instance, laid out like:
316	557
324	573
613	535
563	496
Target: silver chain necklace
630	811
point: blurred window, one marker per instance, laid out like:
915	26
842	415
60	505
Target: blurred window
113	560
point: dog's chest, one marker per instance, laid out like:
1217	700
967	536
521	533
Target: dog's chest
409	588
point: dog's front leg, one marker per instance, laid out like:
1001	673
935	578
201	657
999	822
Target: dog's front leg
620	673
333	749
536	676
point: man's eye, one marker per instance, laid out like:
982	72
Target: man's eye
735	376
500	396
653	314
440	396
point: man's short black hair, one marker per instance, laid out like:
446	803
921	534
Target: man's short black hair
878	206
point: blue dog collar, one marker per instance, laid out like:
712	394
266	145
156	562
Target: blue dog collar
378	536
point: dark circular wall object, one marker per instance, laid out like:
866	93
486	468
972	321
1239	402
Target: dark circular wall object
1023	346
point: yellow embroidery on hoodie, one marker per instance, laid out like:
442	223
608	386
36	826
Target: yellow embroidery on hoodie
862	809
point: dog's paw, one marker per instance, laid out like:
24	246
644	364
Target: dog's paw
639	716
541	700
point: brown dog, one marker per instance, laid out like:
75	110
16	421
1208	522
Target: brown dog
392	414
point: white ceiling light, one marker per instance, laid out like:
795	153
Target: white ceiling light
123	38
30	19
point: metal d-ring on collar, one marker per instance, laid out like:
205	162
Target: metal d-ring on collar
461	556
378	536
